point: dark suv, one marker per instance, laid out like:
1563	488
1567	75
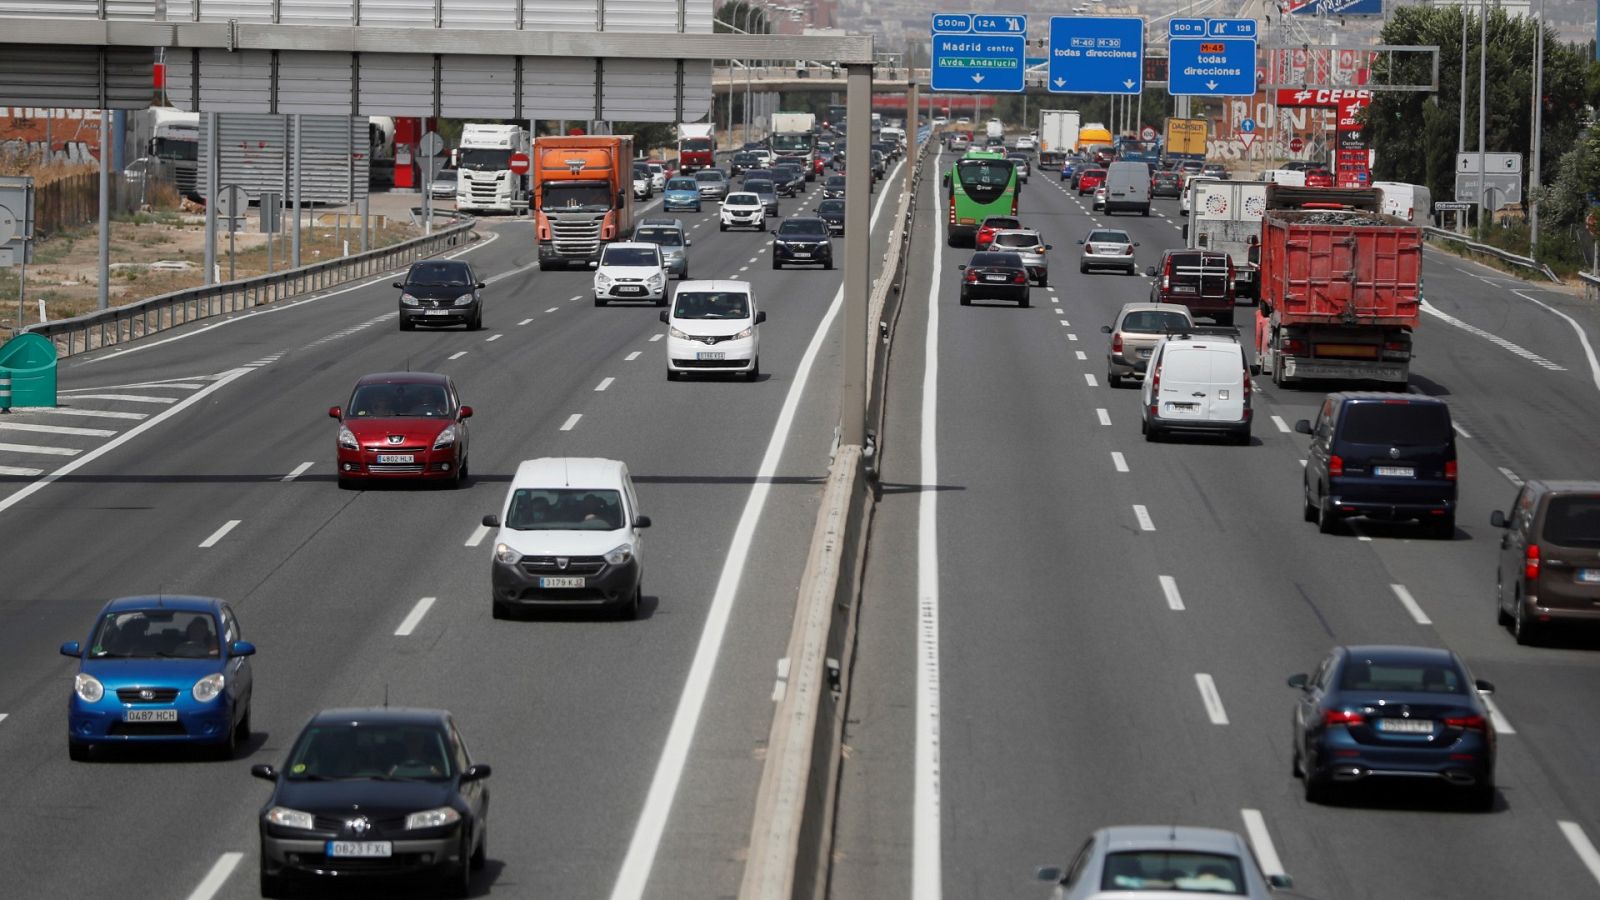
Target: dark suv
802	240
1549	569
440	292
1384	456
1202	280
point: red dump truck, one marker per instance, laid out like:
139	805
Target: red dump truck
1341	287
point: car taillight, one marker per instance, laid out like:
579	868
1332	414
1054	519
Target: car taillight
1335	465
1472	722
1341	717
1396	345
1530	562
1247	386
952	214
1155	387
1294	347
1127	250
1116	342
972	274
1019	278
1450	470
1166	281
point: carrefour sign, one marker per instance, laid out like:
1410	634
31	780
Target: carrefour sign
1322	98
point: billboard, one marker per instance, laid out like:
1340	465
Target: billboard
56	135
1337	7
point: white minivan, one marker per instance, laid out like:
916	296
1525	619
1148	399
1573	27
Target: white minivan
1197	382
714	327
1128	188
1411	202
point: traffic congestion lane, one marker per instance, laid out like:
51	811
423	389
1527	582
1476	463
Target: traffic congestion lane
398	598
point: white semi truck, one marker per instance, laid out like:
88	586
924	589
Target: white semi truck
1058	135
794	138
1226	216
484	180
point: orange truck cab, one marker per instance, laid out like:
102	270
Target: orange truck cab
582	196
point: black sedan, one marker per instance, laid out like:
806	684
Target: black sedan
375	793
995	276
1165	183
1393	712
833	187
743	160
790	179
832	212
802	240
440	292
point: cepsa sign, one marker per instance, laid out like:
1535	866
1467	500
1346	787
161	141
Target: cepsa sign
1322	98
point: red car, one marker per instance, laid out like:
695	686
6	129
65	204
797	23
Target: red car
1319	178
402	425
1089	180
989	226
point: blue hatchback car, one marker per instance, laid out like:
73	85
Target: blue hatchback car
161	670
681	193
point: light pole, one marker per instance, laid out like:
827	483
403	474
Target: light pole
1483	103
1538	127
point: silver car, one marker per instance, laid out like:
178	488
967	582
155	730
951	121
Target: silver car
1164	861
766	190
1135	333
713	184
443	185
1108	248
672	236
1028	244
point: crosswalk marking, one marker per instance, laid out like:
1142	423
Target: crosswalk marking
44	451
57	429
130	398
91	413
17	470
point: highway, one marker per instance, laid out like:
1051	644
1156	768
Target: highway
200	461
1064	627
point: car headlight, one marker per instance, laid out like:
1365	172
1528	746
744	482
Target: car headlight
656	280
672	331
504	554
409	300
207	688
432	818
347	439
446	438
620	555
602	279
88	688
746	333
290	818
465	299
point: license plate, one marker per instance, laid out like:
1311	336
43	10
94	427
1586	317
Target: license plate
630	289
799	255
1589	576
1144	354
1183	406
1182	289
566	581
368	849
711	354
150	715
1395	471
995	278
1406	726
396	457
437	312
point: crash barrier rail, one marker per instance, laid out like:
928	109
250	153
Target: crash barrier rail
1440	234
120	324
1591	285
792	835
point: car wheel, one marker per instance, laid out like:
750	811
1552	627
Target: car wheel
459	882
755	370
1445	529
271	885
1242	436
1327	522
78	751
406	324
776	264
599	301
1500	614
828	265
1525	631
477	322
629	611
682	276
1131	271
662	300
1317	790
1309	509
243	728
722	226
1044	281
228	748
498	611
1113	379
480	856
1024	302
965	300
1225	319
1480	798
1083	268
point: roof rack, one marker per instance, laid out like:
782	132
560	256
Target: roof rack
1202	331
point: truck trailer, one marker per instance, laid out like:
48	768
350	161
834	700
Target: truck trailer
1341	287
582	195
697	146
1226	216
1058	136
484	180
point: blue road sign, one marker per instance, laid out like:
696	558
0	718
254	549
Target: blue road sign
1096	55
1243	28
1247	125
1212	67
973	52
1339	8
1186	28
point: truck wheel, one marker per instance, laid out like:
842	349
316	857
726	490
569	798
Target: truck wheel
1145	212
1225	318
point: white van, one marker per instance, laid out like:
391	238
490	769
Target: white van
1197	382
1128	188
1411	202
1292	177
893	133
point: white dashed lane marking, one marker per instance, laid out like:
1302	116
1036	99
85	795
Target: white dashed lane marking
1169	589
220	533
20	471
128	398
1143	515
414	618
296	472
524	321
1118	460
604	383
493	337
457	355
1212	699
478	534
571	421
1105	417
1410	604
1080	354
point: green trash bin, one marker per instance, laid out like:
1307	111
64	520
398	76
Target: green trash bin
29	360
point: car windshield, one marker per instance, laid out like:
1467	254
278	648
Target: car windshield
1173	870
439	274
1016	239
154	633
831	206
350	750
1399	424
758	186
1573	521
667	237
835	181
564	509
1001	260
810	227
999	222
742	199
1108	237
711	305
641	171
1371	675
790	172
389	401
560	197
629	256
708	175
1155	321
681	184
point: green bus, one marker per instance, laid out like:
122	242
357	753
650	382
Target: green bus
982	183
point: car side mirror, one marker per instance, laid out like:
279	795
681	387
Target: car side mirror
480	286
335	412
264	772
1105	329
491	521
689	242
594	263
663	316
1051	874
1151	271
1303	426
465	413
773	232
641	521
1483	687
476	772
1080	243
72	648
1049	246
1498	519
1299	681
241	648
400	285
962	267
1280	881
761	316
1136	243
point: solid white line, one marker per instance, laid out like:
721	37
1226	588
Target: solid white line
1583	337
656	337
926	811
1088	378
458	354
1582	846
57	429
220	870
571	421
1105	417
634	875
415	617
44	451
524	321
632	356
220	533
19	470
478	534
1266	855
493	337
1169	587
1511	476
296	472
1212	699
91	413
1080	354
1282	425
604	383
1502	725
1143	515
1459	430
1501	342
130	398
1118	460
1410	604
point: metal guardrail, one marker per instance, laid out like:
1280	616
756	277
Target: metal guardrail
120	324
1440	234
1591	285
882	313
